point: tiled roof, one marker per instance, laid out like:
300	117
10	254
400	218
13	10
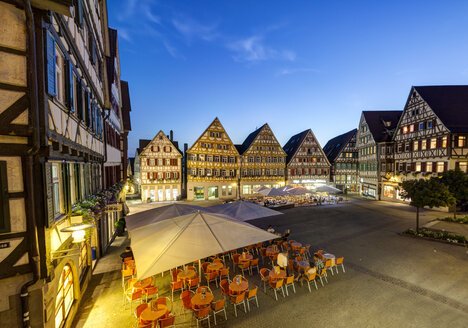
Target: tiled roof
449	103
382	123
334	146
126	106
250	138
293	143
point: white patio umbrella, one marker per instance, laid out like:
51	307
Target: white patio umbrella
328	189
259	188
272	192
298	191
167	244
287	187
160	213
243	210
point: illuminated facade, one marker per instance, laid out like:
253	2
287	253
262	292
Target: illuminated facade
53	99
212	165
432	134
343	156
376	152
263	161
160	169
307	165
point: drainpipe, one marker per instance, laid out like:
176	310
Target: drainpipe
32	238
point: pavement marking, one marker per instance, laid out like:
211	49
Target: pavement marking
411	287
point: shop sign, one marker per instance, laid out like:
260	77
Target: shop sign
114	207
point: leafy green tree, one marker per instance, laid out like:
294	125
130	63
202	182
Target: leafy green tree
431	193
457	183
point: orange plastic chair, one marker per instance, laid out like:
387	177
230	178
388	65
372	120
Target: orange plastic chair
253	264
238	299
175	272
224	272
285	246
339	261
186	297
308	249
167	322
224	287
211	276
133	296
191	283
244	266
251	296
202	314
200	289
263	254
235	260
311	277
140	308
217	307
289	282
204	265
264	275
176	286
329	266
276	285
298	258
150	292
321	274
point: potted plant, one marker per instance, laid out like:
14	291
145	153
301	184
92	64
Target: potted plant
120	227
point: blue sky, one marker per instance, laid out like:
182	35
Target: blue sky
293	64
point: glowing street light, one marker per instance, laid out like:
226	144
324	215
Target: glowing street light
78	231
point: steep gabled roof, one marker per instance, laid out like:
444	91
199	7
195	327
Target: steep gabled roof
293	144
382	123
142	144
126	105
227	135
131	163
239	149
250	138
334	146
146	142
449	103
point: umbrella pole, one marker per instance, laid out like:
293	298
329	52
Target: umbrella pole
199	269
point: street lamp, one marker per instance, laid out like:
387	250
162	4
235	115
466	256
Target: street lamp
78	231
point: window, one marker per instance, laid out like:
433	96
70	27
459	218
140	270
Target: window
230	190
440	167
405	129
411	128
421	126
415	145
407	147
65	297
429	167
168	175
60	75
418	166
444	142
461	141
400	147
50	64
463	166
83	260
56	188
223	190
423	144
433	143
208	172
246	189
429	124
383	167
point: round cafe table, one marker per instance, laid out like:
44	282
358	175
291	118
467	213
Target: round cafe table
199	302
184	276
328	256
152	315
295	245
275	276
271	251
246	257
142	284
214	266
238	288
304	265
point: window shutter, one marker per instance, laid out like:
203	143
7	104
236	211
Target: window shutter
455	141
410	146
66	187
445	166
155	175
4	203
50	64
77	182
434	166
49	193
148	162
457	165
416	126
69	86
428	143
423	167
79	99
79	13
149	175
413	166
88	108
434	122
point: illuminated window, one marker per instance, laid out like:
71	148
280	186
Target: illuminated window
463	166
461	141
440	166
433	143
429	167
411	128
423	144
418	166
64	298
405	129
444	142
56	188
416	145
83	260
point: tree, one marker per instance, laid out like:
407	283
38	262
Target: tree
431	193
457	183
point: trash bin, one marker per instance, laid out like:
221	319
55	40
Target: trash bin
93	253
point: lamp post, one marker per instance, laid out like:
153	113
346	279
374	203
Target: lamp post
78	231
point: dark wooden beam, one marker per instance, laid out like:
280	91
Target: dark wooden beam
12	87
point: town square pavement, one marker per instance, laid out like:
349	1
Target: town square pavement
390	280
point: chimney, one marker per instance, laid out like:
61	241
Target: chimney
172	135
185	147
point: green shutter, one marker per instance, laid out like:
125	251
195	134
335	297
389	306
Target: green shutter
66	187
70	86
87	108
48	185
79	99
50	45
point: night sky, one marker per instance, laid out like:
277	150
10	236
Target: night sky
293	64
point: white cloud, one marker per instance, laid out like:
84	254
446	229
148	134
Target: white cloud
253	49
123	33
191	29
288	71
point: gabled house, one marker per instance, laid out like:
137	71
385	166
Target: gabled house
376	153
262	161
212	165
343	156
306	163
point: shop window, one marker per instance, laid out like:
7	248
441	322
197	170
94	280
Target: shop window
65	297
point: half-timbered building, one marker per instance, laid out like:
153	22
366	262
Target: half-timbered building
212	165
376	153
306	163
432	133
343	156
161	169
262	161
53	101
